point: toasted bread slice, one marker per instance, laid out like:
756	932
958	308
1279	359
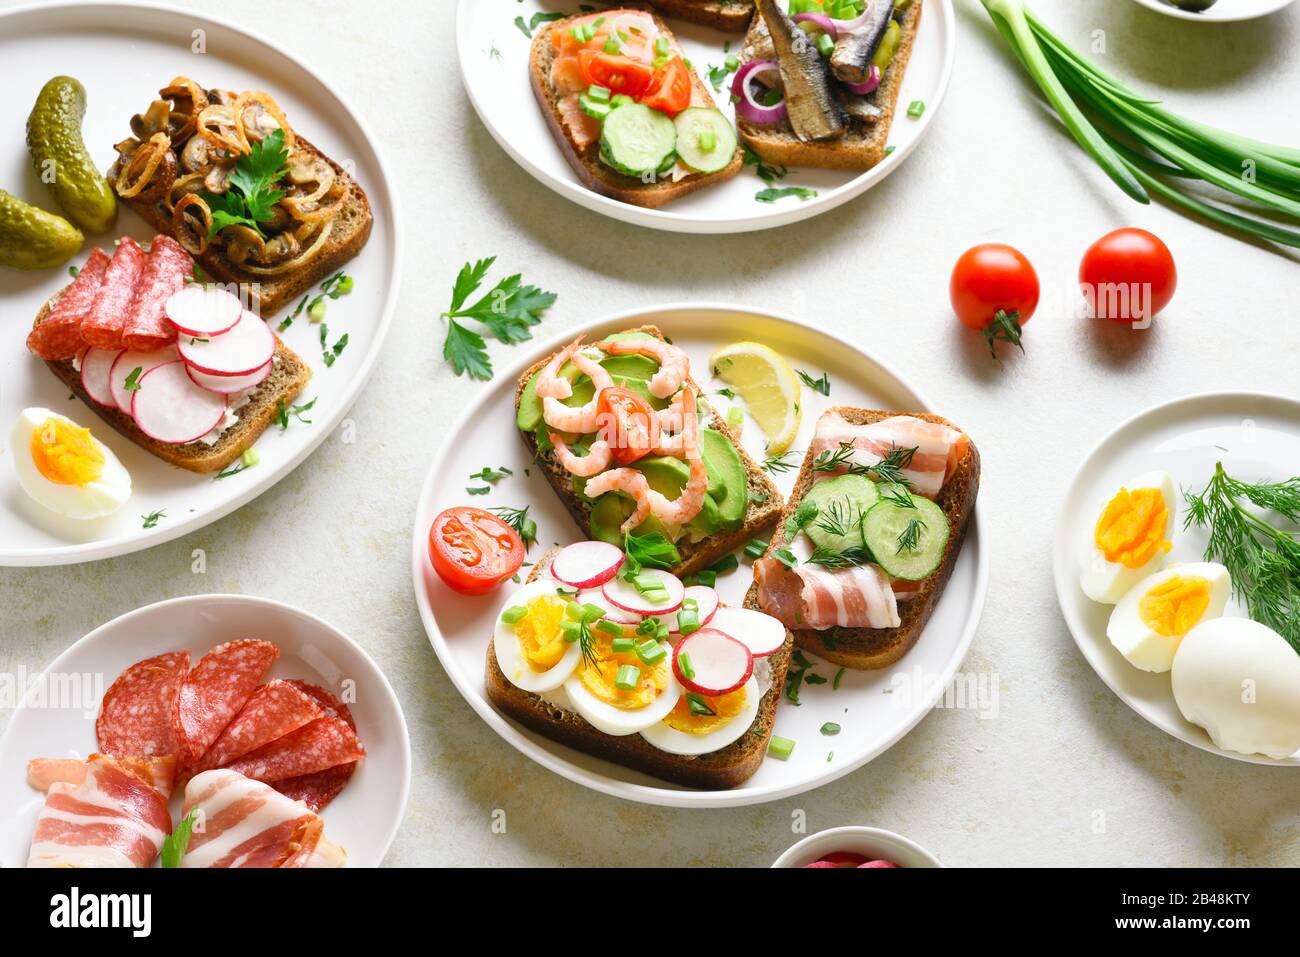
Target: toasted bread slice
863	145
586	161
732	16
349	233
722	769
764	497
874	648
283	385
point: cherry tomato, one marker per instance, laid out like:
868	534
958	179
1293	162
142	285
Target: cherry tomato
626	423
1128	276
472	550
619	74
670	90
994	290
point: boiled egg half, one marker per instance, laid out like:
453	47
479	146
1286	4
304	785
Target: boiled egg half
1152	618
65	468
531	648
1130	537
620	692
702	724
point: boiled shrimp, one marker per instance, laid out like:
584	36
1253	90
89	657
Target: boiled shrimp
631	483
577	419
552	385
687	505
584	466
674	366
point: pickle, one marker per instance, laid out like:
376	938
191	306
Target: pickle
31	238
61	159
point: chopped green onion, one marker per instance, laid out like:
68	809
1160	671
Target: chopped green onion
830	727
623	646
574	611
250	458
916	108
732	63
780	747
628	677
592	613
684	666
825	45
698	705
513	614
610	628
571	630
756	549
688	621
735	414
705	576
661	47
650	651
726	563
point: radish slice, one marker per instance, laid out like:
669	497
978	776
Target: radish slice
719	663
203	311
707	601
126	363
587	564
96	367
241	351
229	384
594	596
762	634
625	596
169	407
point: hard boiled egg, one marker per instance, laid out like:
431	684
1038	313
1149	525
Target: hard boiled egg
532	651
1240	681
594	689
1152	618
1130	537
65	468
692	730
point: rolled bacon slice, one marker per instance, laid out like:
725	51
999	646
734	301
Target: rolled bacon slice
812	597
939	448
112	818
244	823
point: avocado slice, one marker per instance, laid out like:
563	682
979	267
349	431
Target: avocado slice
728	483
667	476
629	372
630	366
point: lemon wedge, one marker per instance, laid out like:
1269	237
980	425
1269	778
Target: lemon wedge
768	386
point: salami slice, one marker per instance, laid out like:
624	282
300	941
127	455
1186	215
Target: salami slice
58	336
215	690
325	743
165	269
135	718
318	789
273	711
104	323
326	699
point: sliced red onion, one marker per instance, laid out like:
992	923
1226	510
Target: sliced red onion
848	26
749	108
823	22
868	86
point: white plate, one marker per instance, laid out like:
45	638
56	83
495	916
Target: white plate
874	708
123	53
1256	437
1225	11
363	819
499	87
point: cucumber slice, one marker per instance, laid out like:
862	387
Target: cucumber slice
841	503
903	550
706	141
638	141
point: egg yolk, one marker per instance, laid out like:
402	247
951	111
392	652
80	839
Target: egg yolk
65	453
1175	606
1131	530
725	707
599	679
539	632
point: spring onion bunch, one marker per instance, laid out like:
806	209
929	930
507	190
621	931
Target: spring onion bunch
1147	149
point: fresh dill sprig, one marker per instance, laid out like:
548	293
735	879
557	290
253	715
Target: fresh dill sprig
888	469
836	519
517	518
774	464
910	538
822	385
829	558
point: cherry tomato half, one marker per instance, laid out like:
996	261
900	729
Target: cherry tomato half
618	74
1128	276
670	90
994	290
472	550
626	423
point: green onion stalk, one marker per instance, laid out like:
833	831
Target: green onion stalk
1147	149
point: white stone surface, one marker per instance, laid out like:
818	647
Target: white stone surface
1064	757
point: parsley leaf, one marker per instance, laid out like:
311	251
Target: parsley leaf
252	195
508	311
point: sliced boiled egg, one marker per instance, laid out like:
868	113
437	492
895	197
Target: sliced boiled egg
1130	537
65	468
702	724
620	693
1152	618
1240	681
530	646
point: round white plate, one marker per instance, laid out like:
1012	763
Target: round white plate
494	67
122	53
1225	11
872	842
874	708
1256	436
363	819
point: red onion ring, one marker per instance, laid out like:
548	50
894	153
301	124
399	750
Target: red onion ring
869	85
822	21
746	106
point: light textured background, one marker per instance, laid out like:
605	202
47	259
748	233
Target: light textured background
1024	788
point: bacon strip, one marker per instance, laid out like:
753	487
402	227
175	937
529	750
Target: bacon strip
811	597
44	773
939	448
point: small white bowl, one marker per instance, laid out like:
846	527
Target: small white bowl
871	842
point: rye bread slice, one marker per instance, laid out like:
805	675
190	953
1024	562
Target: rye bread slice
719	770
585	161
732	16
863	145
350	231
874	648
764	498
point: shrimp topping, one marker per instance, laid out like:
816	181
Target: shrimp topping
576	419
674	365
594	462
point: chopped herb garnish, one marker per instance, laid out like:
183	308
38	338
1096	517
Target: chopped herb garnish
151	520
296	411
507	312
252	196
909	540
888	469
490	475
839	676
132	383
773	194
822	385
775	464
178	842
768	174
478	489
517	518
830	728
